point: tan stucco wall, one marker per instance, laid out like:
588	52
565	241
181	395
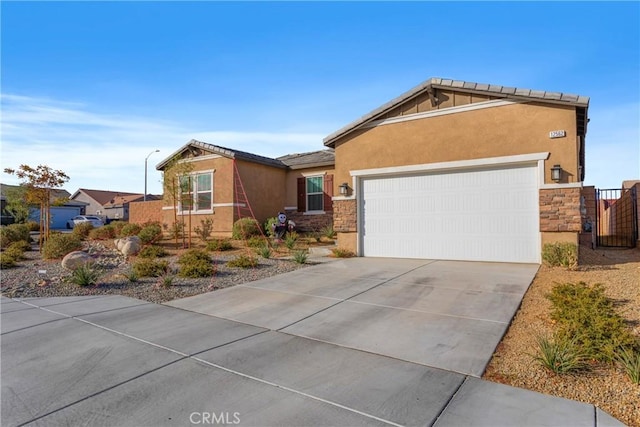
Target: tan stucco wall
559	237
348	241
291	184
264	187
490	132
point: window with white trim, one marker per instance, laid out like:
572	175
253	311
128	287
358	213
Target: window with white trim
196	192
315	194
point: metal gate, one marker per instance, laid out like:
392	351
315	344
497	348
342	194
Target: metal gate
616	218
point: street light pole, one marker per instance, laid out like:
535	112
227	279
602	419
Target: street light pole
145	173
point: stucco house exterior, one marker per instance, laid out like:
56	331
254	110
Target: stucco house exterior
462	171
228	184
110	205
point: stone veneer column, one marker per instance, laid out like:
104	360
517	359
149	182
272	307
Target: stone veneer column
345	216
560	210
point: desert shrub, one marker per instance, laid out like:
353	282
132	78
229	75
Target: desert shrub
118	226
584	314
264	251
204	230
6	260
175	231
82	230
245	228
166	280
58	245
560	254
243	261
15	251
560	355
152	251
150	267
300	257
342	253
13	233
290	240
131	276
256	241
195	263
22	245
328	231
150	233
268	226
85	275
130	230
103	233
630	361
33	226
219	245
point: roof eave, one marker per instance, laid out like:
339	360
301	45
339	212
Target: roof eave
312	165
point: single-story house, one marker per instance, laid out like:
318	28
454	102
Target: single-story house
462	171
223	184
110	205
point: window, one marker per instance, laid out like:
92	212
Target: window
314	193
196	192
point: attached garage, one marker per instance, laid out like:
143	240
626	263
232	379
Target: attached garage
457	170
477	214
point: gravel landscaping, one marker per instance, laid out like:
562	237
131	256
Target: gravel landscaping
604	386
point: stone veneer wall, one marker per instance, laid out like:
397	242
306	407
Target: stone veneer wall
560	210
310	222
345	216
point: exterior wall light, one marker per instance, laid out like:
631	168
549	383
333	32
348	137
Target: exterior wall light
344	189
556	173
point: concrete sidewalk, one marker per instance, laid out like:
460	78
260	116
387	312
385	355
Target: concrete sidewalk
112	360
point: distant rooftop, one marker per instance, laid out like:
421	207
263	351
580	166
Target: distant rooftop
305	160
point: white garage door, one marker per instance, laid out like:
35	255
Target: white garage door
474	215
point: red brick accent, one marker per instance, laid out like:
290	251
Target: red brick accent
141	212
560	209
310	222
345	217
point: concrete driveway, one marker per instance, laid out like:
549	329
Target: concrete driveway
351	342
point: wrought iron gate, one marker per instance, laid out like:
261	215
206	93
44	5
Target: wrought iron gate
616	218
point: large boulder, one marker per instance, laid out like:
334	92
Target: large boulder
75	259
129	245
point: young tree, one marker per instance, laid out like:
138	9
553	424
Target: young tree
39	183
177	190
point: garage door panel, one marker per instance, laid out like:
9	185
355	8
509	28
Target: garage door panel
480	215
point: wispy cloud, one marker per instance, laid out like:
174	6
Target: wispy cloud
107	151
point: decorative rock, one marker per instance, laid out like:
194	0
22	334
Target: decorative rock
129	245
75	259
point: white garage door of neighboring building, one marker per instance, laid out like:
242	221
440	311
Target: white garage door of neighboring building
474	215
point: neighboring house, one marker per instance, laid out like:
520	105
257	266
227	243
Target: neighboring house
462	171
62	208
228	184
110	205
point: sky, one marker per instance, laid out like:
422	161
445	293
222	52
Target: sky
94	88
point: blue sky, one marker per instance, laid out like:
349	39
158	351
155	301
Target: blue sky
92	88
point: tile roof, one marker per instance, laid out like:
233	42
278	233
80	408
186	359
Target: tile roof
225	152
311	159
495	91
104	197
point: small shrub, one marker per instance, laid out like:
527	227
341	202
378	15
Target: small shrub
15	252
82	230
219	245
130	230
630	361
152	251
560	254
150	267
150	233
328	232
342	253
58	245
560	355
290	240
106	232
117	226
196	268
205	229
22	245
586	315
166	280
268	226
7	261
243	261
175	231
245	228
256	241
131	276
300	257
193	255
13	233
264	251
85	275
33	226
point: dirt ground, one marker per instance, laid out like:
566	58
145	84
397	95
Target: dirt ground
604	386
